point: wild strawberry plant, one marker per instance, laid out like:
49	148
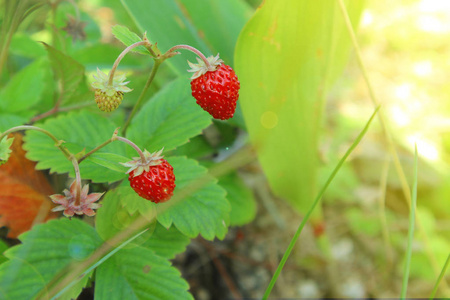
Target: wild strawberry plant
118	233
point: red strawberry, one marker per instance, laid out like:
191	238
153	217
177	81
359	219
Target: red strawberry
216	88
153	179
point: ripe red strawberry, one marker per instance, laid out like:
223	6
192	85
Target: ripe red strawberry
156	185
153	179
216	88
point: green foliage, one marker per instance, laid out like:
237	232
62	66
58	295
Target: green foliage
242	202
127	37
82	131
287	56
138	273
170	119
46	251
5	151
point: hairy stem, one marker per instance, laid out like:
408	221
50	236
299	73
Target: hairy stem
127	141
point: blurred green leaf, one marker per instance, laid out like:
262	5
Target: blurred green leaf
218	22
82	131
23	90
169	119
128	38
8	121
243	204
22	44
138	273
287	57
45	251
68	73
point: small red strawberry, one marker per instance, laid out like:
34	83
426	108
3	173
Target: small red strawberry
153	179
216	87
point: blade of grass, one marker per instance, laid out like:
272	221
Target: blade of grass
313	206
412	221
390	142
444	269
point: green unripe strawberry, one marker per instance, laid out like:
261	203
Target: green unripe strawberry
108	96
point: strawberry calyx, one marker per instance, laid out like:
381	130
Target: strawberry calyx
138	165
117	86
201	68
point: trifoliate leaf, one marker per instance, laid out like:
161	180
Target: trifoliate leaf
169	120
128	38
5	151
138	273
81	131
46	250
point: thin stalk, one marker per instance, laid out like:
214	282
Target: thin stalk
412	221
58	109
141	96
127	141
313	206
122	55
58	143
95	150
192	49
76	167
441	275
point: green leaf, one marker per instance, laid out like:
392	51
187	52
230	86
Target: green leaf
5	150
204	211
82	131
24	89
68	73
46	250
128	38
22	44
303	46
218	22
167	242
8	121
243	204
138	273
113	217
3	247
169	119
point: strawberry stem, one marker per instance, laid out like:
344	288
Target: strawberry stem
77	179
192	49
145	42
139	151
58	143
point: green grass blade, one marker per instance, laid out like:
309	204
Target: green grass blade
412	220
316	201
441	275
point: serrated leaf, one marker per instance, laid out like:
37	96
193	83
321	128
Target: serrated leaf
123	34
46	250
204	211
23	90
243	204
304	46
138	273
68	73
169	119
5	150
81	130
113	217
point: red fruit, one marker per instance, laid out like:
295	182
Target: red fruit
156	184
216	88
